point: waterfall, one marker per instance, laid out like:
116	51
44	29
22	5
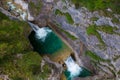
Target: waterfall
45	41
72	67
40	33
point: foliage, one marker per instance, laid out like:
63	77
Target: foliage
91	30
67	33
94	56
67	16
94	18
36	8
107	29
58	12
99	4
115	20
16	58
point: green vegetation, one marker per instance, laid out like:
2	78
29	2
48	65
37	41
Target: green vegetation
95	60
116	57
58	12
17	60
98	4
115	20
94	56
67	33
119	72
94	18
36	8
107	29
92	30
67	16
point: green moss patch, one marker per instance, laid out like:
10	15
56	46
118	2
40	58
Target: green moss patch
98	4
94	56
91	30
94	18
36	8
67	16
16	58
107	29
67	33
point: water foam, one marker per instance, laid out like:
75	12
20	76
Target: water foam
72	67
42	33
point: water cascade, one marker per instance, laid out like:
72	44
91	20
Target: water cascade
73	68
45	41
41	33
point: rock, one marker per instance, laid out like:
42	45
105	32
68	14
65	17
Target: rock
82	17
4	77
49	1
104	21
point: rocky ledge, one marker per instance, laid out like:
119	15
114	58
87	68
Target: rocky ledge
97	41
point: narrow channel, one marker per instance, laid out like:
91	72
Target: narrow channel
46	42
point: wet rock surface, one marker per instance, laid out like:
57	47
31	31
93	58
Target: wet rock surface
82	20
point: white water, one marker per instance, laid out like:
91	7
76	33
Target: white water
41	33
72	67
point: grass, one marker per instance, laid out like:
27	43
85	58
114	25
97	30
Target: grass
107	29
94	18
94	56
67	33
13	42
91	30
98	4
67	16
58	12
115	20
36	8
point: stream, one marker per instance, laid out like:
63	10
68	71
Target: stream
45	41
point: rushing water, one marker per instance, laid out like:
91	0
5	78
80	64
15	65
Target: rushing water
45	41
74	70
72	67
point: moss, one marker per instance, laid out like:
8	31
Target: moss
91	30
2	16
67	16
58	12
94	56
115	20
94	18
36	8
119	72
107	29
13	42
99	4
111	70
116	58
67	33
